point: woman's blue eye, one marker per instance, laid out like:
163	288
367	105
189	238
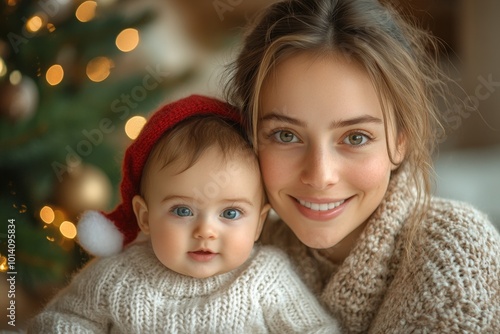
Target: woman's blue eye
356	139
284	136
231	214
182	211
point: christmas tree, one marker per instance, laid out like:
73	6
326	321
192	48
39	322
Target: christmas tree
68	96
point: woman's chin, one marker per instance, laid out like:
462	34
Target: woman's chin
318	240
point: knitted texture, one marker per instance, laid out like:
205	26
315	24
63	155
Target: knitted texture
448	284
132	292
135	158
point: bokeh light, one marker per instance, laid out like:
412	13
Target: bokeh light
15	77
47	215
68	229
86	11
54	74
127	40
134	126
34	23
99	68
3	67
3	264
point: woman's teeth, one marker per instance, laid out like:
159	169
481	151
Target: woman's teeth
322	206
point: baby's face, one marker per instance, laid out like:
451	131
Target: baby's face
204	220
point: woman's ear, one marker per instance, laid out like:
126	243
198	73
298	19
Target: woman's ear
262	219
141	213
399	151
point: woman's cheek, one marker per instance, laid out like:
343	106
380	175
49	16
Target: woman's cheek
278	163
270	168
372	173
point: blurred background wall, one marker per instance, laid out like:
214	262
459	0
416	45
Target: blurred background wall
78	78
468	160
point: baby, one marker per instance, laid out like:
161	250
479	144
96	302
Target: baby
191	184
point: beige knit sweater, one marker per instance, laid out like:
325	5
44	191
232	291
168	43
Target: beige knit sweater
449	284
133	292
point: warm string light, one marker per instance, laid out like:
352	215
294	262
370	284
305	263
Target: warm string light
47	215
54	74
134	126
20	208
51	27
86	11
127	40
57	218
68	229
34	23
3	67
99	68
3	264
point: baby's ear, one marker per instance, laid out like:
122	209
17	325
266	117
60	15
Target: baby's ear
263	215
141	213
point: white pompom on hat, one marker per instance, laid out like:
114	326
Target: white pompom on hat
105	234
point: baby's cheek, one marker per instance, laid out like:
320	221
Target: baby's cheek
238	245
167	242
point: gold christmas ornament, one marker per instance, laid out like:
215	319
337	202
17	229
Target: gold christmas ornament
84	187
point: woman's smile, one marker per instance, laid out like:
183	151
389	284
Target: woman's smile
321	205
321	210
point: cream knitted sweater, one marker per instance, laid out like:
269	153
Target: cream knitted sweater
450	284
133	292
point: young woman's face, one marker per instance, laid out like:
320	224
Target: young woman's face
322	148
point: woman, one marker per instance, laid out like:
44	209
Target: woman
340	99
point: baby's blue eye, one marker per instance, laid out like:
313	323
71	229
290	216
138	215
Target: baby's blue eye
182	211
231	214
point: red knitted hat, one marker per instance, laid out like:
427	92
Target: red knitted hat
104	234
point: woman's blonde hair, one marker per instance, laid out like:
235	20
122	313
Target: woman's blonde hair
400	58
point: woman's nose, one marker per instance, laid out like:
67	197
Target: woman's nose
205	229
320	168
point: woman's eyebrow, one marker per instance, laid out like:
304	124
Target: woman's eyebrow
335	124
282	118
356	120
